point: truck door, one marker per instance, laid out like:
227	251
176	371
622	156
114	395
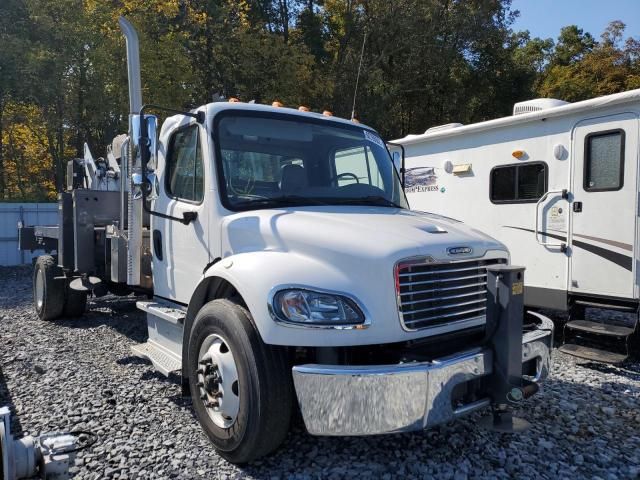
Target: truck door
604	206
181	251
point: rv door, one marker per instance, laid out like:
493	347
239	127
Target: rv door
604	206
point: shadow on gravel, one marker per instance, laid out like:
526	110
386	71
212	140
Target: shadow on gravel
630	370
133	360
173	378
119	313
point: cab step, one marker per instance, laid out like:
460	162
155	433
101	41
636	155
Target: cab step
166	311
594	354
620	307
599	328
163	360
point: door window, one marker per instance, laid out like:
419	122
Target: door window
185	179
357	165
520	183
604	161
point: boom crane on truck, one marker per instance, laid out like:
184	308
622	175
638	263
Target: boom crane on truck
284	267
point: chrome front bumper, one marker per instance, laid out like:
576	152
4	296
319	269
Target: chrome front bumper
370	400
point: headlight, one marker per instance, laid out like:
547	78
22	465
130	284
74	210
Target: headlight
316	308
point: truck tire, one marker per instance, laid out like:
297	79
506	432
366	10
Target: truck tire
75	303
241	388
48	293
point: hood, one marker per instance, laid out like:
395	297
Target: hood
365	232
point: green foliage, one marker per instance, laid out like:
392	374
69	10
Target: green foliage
426	62
581	68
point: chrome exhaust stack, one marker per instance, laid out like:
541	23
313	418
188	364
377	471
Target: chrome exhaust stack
134	212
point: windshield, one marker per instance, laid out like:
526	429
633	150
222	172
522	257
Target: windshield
269	161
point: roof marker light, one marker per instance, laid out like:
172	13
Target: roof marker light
518	154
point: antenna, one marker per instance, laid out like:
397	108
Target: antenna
355	93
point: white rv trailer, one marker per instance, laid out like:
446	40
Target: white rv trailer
556	182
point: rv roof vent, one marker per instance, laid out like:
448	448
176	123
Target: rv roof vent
536	105
446	126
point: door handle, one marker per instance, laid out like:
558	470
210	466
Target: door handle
577	207
157	244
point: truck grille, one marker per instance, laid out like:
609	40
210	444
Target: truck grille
431	294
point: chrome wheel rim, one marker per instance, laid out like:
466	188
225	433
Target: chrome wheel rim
218	381
39	289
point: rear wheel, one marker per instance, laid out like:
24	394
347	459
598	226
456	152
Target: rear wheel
241	388
48	292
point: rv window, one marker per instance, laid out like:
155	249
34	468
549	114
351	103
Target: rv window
531	181
604	161
520	183
503	184
184	166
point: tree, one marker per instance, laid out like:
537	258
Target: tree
63	77
593	69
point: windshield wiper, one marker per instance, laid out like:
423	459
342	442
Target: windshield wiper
370	200
282	200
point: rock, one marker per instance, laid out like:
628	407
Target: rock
584	421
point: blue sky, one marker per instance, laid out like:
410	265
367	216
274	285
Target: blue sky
544	18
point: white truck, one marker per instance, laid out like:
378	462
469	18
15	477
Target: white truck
286	269
557	183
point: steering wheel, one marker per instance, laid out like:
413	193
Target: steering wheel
346	175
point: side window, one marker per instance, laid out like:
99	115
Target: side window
357	165
604	161
520	183
184	166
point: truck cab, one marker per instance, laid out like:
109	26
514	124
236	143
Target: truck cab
301	241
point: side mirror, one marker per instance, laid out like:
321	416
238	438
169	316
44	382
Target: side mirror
145	134
146	144
152	135
149	186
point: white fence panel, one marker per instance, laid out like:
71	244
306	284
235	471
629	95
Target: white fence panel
29	214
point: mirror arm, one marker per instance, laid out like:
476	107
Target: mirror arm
187	217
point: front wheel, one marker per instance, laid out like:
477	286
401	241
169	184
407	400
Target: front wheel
241	388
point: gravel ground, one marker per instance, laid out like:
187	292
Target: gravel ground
79	374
